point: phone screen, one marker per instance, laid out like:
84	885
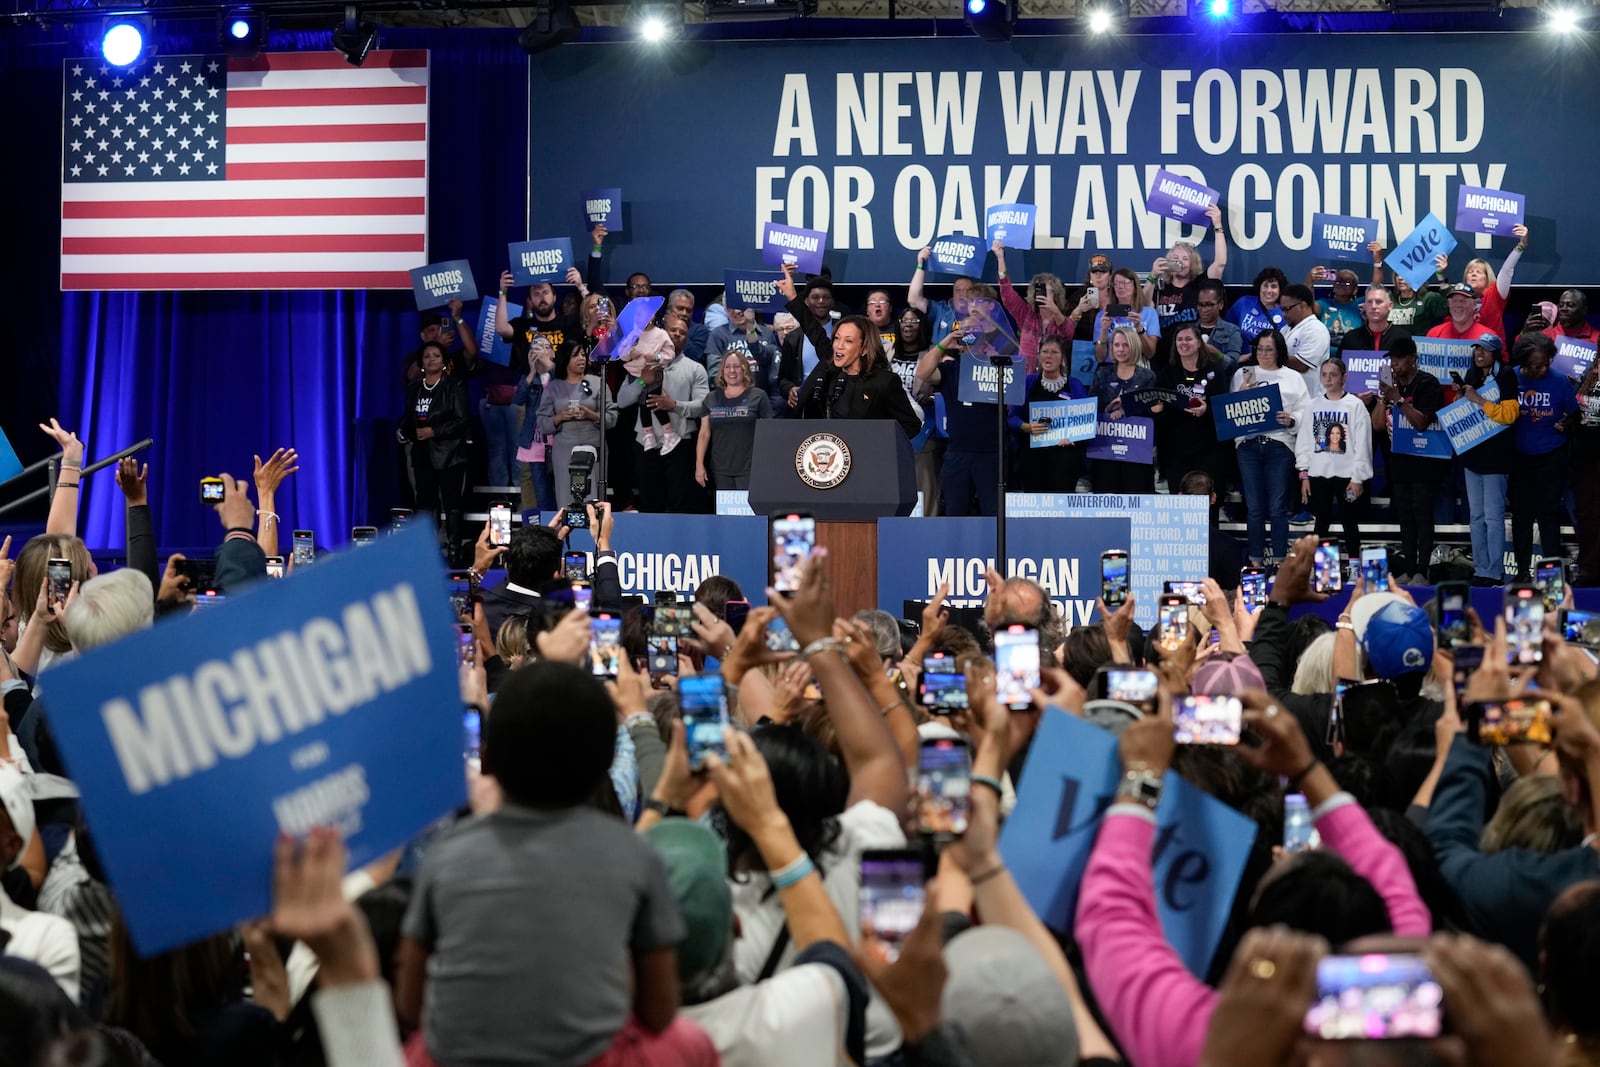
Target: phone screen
1580	627
59	571
211	490
704	703
675	620
942	687
1114	578
1192	592
1130	686
1174	617
575	518
460	593
1374	997
779	638
1468	658
663	651
274	566
1521	721
364	535
472	736
1253	588
582	596
735	612
892	897
466	646
1326	574
605	645
398	517
1550	576
1016	661
1524	615
575	565
1375	569
1203	720
1455	628
209	599
305	548
500	524
944	787
793	539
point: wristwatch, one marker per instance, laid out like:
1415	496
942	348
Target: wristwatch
1141	786
663	809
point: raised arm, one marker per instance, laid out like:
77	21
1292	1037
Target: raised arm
1219	243
1502	280
141	531
268	476
594	271
469	339
914	294
502	324
877	769
64	503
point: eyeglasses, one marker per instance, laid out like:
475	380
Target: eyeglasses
1210	303
877	303
1290	307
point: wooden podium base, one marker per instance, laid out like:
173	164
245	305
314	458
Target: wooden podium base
852	563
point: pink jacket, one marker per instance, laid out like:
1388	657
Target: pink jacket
1030	327
1158	1011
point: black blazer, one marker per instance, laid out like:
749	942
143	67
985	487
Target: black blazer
878	394
450	419
791	360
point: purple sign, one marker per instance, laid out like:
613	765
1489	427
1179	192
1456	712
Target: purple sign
1573	357
1488	210
1176	197
1126	440
1362	367
789	244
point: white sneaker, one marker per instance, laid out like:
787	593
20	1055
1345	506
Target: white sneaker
650	442
669	440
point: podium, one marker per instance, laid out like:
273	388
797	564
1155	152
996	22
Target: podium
880	479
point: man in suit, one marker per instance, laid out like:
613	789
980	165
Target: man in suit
533	560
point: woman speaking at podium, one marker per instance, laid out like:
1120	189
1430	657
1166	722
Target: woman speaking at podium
857	382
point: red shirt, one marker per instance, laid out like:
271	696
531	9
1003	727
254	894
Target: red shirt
1492	310
1583	333
1447	329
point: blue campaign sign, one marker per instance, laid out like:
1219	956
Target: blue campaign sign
1362	368
916	555
1465	423
439	283
603	207
1247	412
491	346
958	254
330	701
754	289
1412	258
1573	357
1084	362
1171	534
10	465
1406	439
1488	210
1070	420
1200	849
1010	224
979	380
1441	355
544	260
677	552
1177	196
1126	440
889	151
798	247
1342	237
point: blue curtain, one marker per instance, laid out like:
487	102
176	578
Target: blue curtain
215	378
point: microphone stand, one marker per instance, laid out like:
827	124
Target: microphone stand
1002	365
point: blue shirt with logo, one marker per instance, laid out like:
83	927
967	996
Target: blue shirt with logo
1546	402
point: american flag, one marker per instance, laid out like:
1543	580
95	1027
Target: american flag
286	171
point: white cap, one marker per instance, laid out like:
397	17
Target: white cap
17	799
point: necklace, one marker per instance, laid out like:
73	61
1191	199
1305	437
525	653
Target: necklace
1052	385
435	385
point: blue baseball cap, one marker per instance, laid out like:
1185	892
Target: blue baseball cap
1396	636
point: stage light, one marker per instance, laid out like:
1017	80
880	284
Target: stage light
241	31
123	39
1104	16
1100	20
655	23
653	29
1564	19
1219	9
992	20
354	37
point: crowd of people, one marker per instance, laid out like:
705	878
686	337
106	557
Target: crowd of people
1156	346
806	869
